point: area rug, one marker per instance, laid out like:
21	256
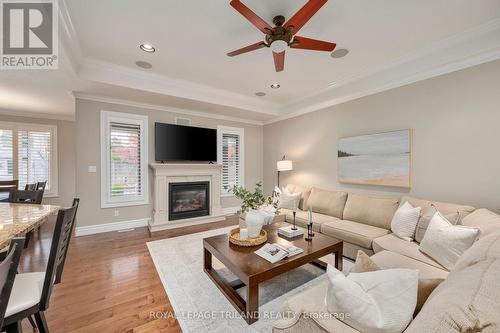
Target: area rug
199	305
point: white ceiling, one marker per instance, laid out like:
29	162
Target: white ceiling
391	42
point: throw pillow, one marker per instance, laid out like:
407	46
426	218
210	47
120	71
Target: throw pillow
363	264
424	220
405	221
381	301
289	200
425	286
445	242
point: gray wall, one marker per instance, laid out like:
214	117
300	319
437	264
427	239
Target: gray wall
88	143
65	159
455	120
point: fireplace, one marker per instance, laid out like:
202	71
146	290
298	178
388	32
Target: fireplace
188	200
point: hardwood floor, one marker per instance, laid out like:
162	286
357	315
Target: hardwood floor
109	282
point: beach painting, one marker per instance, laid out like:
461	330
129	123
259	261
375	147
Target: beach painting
382	159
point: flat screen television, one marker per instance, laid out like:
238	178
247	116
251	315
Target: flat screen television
185	143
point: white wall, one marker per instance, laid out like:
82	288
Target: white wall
456	137
88	153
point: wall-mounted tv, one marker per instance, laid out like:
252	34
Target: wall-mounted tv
185	143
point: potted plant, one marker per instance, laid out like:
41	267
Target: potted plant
259	209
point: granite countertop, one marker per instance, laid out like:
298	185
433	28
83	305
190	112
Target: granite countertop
17	219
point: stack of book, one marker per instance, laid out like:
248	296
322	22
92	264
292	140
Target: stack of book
276	252
289	232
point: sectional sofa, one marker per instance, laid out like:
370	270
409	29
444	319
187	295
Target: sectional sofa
363	223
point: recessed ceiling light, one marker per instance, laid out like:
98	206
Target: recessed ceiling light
340	53
147	48
275	86
143	64
260	94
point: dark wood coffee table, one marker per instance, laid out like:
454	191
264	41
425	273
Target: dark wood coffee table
252	269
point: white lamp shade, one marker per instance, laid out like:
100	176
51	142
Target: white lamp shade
284	165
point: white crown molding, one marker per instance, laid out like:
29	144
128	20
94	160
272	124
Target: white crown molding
69	37
118	101
38	115
104	72
469	48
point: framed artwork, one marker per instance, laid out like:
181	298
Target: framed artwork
382	159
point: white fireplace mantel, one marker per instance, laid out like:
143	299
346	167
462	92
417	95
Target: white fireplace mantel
165	173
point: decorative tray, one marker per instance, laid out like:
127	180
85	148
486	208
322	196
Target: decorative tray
234	237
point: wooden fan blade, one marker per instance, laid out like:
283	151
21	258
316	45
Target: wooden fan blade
251	16
304	14
248	48
279	61
311	44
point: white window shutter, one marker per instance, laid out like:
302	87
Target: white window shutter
34	157
125	160
231	157
6	154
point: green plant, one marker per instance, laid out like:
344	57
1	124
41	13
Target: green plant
253	200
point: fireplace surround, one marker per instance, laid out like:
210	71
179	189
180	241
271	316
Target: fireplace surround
185	175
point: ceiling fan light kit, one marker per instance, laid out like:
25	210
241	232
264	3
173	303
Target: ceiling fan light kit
283	34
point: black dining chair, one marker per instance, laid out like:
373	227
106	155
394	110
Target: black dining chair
41	283
26	197
8	271
41	186
30	187
5	187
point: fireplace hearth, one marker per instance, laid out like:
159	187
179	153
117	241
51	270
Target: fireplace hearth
188	200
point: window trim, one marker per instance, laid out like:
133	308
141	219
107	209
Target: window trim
54	163
221	130
142	121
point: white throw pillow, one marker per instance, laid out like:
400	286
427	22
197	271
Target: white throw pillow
423	222
373	302
405	221
289	200
445	242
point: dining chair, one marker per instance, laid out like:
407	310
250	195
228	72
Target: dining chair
5	187
8	271
35	302
41	186
30	187
27	197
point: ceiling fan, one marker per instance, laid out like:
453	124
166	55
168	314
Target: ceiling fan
283	34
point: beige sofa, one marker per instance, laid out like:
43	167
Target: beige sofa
363	223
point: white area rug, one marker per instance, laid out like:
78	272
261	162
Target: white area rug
199	305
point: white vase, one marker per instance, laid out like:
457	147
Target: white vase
254	221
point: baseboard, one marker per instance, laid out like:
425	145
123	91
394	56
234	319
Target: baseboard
230	210
107	227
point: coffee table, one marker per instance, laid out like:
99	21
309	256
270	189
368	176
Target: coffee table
252	269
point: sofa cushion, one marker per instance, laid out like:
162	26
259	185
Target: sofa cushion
467	301
377	212
486	248
485	220
310	300
327	202
302	218
306	191
443	207
388	259
395	244
353	232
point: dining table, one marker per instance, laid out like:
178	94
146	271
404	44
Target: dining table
17	219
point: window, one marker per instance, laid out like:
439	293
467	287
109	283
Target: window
28	152
124	173
231	154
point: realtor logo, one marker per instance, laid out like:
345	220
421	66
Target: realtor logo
29	34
